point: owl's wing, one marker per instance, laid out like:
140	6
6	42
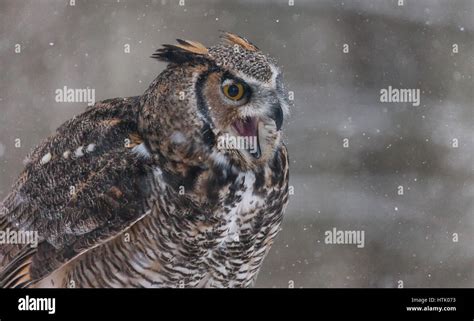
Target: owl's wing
80	188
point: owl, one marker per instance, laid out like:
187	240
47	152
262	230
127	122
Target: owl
183	186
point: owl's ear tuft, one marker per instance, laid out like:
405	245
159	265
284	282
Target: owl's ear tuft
234	39
185	50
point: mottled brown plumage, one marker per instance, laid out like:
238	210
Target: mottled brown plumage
134	192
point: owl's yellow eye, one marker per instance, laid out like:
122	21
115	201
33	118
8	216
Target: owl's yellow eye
235	91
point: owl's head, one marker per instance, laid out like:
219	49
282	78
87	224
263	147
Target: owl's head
226	103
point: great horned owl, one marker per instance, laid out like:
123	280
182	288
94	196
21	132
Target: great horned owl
136	192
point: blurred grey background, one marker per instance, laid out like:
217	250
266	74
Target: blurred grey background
407	237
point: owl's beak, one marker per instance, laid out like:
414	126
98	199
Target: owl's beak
276	113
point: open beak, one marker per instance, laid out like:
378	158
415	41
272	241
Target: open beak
248	127
252	127
276	114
